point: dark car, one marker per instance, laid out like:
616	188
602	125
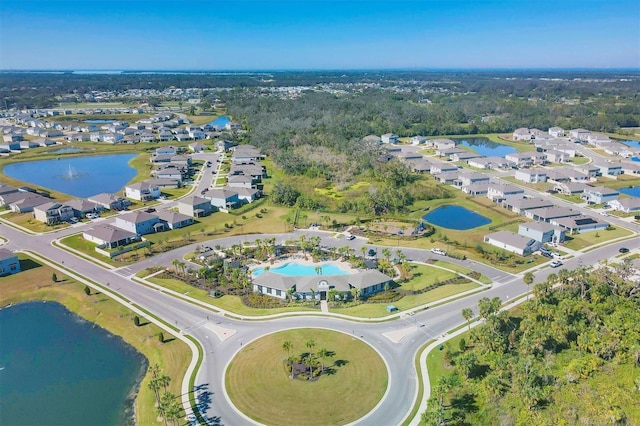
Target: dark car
623	250
150	210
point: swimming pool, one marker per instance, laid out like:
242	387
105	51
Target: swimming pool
294	269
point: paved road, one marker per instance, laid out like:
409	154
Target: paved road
205	325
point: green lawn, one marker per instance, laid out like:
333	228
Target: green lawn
259	386
586	239
461	269
378	310
424	276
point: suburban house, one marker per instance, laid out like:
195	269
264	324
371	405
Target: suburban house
223	198
599	195
248	195
489	163
527	159
139	222
580	223
389	138
109	236
240	181
246	154
317	286
556	132
626	205
542	232
512	242
24	202
610	169
469	178
420	166
418	140
197	147
571	188
447	178
195	206
476	189
463	156
142	191
598	139
591	171
110	201
579	134
174	220
81	207
548	214
441	167
531	175
521	205
499	192
51	213
521	134
9	263
555	156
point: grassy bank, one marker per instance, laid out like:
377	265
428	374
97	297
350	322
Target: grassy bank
35	283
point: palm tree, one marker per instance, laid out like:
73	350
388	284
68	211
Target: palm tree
528	280
323	353
175	263
309	361
318	270
310	344
387	254
164	382
290	362
155	386
363	250
287	346
467	314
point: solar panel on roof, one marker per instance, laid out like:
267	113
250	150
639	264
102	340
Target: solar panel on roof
585	221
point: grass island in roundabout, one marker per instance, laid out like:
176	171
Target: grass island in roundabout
260	384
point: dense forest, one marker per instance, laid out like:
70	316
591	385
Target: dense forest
571	355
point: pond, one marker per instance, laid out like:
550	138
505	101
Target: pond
484	146
58	369
99	121
80	177
633	191
294	269
455	217
220	121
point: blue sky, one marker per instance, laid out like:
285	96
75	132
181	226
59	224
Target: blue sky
250	35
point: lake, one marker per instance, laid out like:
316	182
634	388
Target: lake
58	369
80	177
455	217
484	146
99	121
220	121
633	191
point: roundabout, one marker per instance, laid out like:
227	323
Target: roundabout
344	369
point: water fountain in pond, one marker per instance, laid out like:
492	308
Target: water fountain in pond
71	173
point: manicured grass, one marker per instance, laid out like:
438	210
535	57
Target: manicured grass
585	239
230	303
27	220
173	357
424	276
259	386
77	242
378	310
461	269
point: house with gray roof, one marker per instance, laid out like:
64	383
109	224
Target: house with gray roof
531	175
110	201
498	191
580	223
52	212
195	206
521	205
139	222
542	232
81	207
9	262
626	205
512	242
548	214
571	188
174	220
368	282
23	202
223	198
476	189
142	191
109	236
599	195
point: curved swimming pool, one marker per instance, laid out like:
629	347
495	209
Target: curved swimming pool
295	269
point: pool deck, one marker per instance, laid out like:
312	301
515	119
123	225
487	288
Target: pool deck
306	261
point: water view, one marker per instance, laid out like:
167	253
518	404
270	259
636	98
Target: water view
633	191
484	146
57	369
80	176
99	121
294	269
455	217
220	121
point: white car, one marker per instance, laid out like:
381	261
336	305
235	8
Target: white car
438	251
555	264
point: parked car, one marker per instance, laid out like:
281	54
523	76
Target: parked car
623	250
555	264
351	237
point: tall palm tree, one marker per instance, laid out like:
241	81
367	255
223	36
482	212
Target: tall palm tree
155	386
467	314
309	361
322	353
310	344
164	381
528	280
287	346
